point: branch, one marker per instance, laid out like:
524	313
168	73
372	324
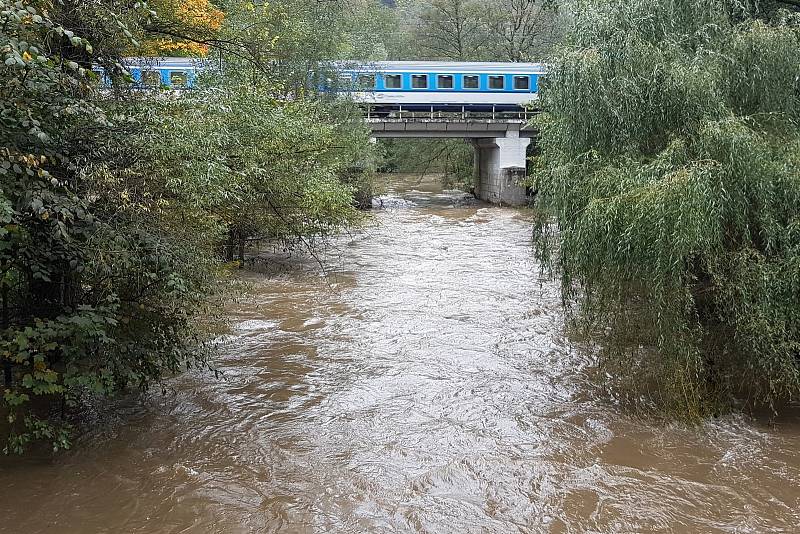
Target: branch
237	49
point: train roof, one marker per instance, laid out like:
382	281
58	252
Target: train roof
440	66
365	66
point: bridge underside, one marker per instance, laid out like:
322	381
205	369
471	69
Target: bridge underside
500	146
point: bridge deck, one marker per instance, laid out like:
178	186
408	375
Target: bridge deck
447	127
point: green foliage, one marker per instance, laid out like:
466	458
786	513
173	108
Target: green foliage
670	150
269	158
116	206
282	43
244	166
297	165
94	298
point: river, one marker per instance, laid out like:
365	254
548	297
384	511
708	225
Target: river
420	382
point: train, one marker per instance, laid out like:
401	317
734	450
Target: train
385	86
161	72
441	86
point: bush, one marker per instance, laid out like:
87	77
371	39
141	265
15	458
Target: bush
115	206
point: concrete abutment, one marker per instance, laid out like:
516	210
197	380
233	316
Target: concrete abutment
500	165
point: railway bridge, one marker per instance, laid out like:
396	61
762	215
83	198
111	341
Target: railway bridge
482	102
500	140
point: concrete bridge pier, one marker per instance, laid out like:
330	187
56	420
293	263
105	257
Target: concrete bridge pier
499	166
500	148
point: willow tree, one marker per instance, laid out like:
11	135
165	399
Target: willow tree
671	166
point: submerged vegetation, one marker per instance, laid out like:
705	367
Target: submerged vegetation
671	162
119	208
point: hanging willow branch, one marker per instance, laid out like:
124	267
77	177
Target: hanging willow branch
670	161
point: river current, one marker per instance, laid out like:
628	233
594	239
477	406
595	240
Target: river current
416	379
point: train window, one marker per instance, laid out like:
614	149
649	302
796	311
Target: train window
345	82
393	81
151	78
366	81
522	83
177	78
444	81
496	82
471	82
419	81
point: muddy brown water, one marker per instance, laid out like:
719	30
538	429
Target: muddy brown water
421	383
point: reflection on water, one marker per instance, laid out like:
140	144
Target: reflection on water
421	382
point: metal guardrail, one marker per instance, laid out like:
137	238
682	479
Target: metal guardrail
433	114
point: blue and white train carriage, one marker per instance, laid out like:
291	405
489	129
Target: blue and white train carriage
442	86
164	72
387	86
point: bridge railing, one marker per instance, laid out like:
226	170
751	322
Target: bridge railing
460	114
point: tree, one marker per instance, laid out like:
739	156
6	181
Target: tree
521	30
450	29
93	299
181	28
497	30
260	169
451	158
670	161
116	205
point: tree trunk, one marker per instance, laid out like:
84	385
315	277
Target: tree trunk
7	375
